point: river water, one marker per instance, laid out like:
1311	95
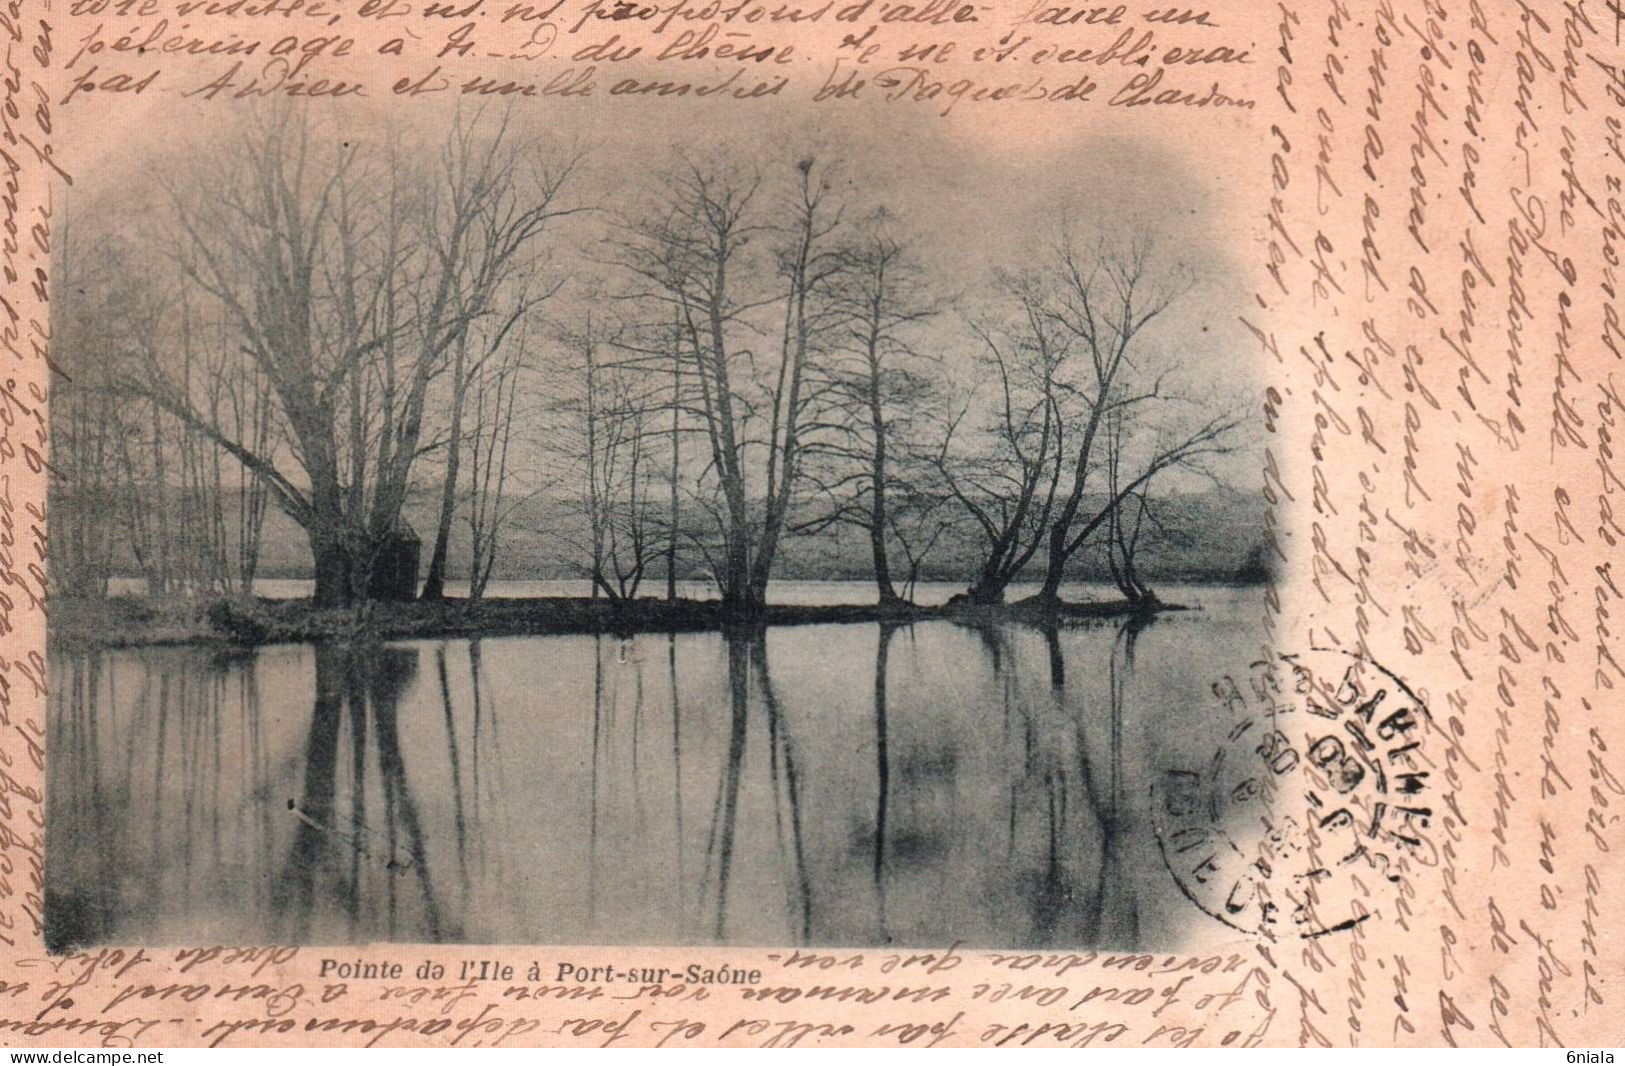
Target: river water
831	785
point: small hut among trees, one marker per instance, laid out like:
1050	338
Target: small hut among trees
395	573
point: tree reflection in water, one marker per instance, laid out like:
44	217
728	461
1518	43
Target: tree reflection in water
942	783
747	661
883	638
367	686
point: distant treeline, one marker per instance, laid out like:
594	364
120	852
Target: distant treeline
1214	536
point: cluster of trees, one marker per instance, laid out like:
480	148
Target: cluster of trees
319	315
695	373
133	484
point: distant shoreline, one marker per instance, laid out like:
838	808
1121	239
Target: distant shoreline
127	621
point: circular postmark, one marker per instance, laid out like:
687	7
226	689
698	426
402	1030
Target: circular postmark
1305	817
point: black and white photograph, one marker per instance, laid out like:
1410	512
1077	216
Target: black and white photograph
494	527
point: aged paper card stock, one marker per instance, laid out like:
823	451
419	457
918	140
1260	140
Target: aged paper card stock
756	523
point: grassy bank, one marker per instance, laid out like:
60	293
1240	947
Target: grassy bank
126	621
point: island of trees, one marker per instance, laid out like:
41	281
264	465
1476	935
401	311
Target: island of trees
681	372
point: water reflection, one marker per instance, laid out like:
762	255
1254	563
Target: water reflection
329	852
884	634
827	785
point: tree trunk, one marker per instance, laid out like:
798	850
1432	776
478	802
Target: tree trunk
877	547
434	584
676	457
1134	590
159	584
1056	571
742	594
877	474
989	588
338	584
332	570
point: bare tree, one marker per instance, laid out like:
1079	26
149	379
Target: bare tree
697	257
1127	502
1005	476
263	238
1126	523
132	484
917	522
876	389
490	506
613	432
143	443
252	420
1072	359
685	255
88	418
510	215
349	276
808	261
674	514
1105	302
656	348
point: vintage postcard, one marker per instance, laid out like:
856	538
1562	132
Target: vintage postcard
798	523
